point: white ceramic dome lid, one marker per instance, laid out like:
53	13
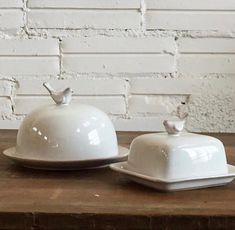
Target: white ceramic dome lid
177	154
66	132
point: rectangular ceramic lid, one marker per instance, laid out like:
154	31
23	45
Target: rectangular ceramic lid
175	154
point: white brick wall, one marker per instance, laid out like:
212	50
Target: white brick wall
206	55
155	104
100	54
207	45
127	45
29	47
29	57
111	63
78	19
81	86
11	19
186	20
190	5
84	4
139	64
7	4
109	104
11	15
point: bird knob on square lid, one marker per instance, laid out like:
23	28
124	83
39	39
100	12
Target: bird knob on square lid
174	127
175	154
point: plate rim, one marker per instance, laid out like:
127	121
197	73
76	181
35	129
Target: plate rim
114	166
9	155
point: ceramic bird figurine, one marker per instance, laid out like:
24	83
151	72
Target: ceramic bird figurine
174	127
60	97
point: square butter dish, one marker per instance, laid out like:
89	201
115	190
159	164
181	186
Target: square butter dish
176	160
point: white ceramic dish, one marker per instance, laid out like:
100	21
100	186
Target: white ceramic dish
177	184
174	154
64	132
63	164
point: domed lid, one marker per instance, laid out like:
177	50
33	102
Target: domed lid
64	131
176	154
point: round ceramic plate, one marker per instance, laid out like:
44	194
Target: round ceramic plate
65	165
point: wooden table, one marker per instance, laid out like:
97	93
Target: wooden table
102	199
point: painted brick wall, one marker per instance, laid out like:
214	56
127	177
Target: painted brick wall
141	61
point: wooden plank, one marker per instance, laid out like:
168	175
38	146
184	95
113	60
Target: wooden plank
94	198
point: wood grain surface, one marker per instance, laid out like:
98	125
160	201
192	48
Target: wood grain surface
103	199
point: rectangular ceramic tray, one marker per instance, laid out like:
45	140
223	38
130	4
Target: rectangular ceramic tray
174	185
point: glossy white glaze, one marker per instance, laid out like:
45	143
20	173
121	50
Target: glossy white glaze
174	127
67	132
65	164
175	184
171	156
64	131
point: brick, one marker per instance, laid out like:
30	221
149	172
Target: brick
5	106
129	63
155	104
11	4
11	19
182	86
33	47
6	88
77	19
29	65
207	45
190	20
151	124
118	45
190	5
203	63
111	105
79	86
163	86
84	4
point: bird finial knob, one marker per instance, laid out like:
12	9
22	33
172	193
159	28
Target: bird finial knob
60	97
174	127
